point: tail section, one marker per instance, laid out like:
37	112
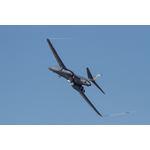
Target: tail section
98	75
92	78
89	74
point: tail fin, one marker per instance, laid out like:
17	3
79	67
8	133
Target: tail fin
92	78
89	74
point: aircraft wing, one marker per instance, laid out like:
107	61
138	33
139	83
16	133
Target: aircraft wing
98	86
56	55
87	100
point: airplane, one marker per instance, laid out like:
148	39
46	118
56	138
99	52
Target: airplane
76	81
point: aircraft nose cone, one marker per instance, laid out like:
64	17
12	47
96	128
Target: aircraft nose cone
49	68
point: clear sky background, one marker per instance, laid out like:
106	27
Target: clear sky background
39	110
33	95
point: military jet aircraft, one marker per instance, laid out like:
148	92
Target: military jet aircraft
76	81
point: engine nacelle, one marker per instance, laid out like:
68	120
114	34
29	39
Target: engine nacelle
78	87
75	86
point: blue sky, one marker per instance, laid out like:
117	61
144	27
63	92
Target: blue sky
33	95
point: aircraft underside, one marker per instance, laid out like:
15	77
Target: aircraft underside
75	80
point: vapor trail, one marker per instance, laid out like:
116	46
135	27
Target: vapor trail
120	113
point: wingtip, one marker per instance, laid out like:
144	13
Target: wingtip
100	114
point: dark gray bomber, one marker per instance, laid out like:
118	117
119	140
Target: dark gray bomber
75	80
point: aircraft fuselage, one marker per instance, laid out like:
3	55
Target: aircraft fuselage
70	76
75	80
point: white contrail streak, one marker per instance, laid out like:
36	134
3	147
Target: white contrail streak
120	113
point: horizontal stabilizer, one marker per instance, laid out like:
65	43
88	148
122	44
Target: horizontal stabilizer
92	78
98	75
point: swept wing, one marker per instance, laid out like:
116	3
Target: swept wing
61	64
87	100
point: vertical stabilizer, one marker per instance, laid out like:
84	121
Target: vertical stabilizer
89	74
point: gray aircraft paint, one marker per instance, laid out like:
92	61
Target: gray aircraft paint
75	80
